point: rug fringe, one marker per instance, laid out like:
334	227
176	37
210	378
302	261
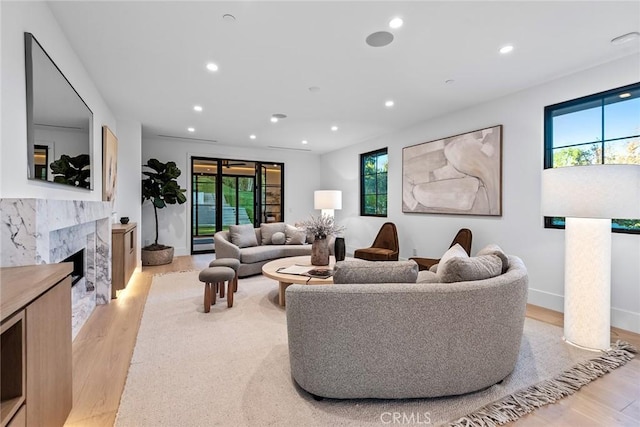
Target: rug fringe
525	401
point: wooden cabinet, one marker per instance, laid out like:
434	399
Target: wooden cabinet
123	261
35	303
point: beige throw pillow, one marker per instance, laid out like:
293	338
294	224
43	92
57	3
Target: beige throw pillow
268	230
460	269
493	249
294	235
243	236
455	251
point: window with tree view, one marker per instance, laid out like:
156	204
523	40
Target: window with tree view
598	129
373	183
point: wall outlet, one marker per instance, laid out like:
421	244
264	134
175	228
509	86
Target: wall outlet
415	252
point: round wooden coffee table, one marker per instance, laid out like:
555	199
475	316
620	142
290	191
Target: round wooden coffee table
270	270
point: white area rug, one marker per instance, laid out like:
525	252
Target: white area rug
230	367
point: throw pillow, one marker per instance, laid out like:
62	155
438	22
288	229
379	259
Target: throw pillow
278	238
455	251
267	231
426	276
460	269
493	249
375	272
294	235
243	236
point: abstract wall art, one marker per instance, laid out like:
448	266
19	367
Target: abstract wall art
461	174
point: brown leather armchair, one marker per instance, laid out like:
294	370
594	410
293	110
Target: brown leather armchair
384	248
463	237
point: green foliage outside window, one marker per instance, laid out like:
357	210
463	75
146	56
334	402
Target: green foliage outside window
373	183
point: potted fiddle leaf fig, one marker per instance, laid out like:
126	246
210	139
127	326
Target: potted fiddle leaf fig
159	186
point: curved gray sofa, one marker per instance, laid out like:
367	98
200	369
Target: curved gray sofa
253	258
406	340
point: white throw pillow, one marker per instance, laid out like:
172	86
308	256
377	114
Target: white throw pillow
294	235
455	251
268	230
278	238
243	236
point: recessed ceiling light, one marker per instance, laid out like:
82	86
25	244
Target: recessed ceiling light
379	39
305	142
625	38
449	81
191	129
624	95
280	115
252	136
389	103
396	22
334	128
314	89
274	119
197	108
212	67
227	17
506	49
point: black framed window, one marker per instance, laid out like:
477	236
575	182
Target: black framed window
373	183
603	128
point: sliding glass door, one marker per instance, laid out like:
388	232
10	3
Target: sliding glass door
229	192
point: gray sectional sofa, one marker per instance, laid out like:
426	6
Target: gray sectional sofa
253	257
406	340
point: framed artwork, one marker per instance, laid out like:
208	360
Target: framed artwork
461	174
109	164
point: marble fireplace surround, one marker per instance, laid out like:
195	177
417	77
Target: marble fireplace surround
42	231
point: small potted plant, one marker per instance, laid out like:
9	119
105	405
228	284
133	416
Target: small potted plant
162	189
321	227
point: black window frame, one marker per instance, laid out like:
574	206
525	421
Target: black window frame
601	97
363	156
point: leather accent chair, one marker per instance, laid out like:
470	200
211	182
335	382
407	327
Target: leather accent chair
384	248
463	237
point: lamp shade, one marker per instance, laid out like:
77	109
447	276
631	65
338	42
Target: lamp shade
327	199
593	191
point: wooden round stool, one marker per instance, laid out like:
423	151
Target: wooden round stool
231	263
216	277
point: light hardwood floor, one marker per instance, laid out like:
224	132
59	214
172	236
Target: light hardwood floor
103	349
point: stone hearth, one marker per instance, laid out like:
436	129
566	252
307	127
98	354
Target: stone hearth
40	231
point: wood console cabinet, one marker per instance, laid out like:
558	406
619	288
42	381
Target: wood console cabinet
35	307
123	252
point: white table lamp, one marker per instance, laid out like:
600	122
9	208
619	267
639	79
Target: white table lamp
589	197
327	200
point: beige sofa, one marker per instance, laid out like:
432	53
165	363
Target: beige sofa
406	340
254	257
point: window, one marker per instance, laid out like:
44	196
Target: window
373	183
596	129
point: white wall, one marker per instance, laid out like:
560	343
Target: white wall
520	230
302	178
129	191
36	18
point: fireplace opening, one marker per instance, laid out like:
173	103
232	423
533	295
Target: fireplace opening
78	266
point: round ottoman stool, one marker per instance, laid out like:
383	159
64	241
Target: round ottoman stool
216	276
231	263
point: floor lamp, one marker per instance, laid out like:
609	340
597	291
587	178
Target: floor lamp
589	197
328	201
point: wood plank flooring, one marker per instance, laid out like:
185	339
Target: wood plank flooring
102	352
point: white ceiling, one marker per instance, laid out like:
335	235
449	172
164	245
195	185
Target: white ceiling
148	61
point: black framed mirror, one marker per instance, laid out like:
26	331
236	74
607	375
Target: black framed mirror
59	123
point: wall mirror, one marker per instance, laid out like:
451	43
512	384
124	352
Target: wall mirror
59	123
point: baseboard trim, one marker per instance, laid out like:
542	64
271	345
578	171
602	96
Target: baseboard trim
620	318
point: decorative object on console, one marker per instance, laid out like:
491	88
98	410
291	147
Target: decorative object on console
124	220
321	227
589	196
161	188
328	201
109	164
461	174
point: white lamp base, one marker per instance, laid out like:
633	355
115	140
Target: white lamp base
587	283
328	212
